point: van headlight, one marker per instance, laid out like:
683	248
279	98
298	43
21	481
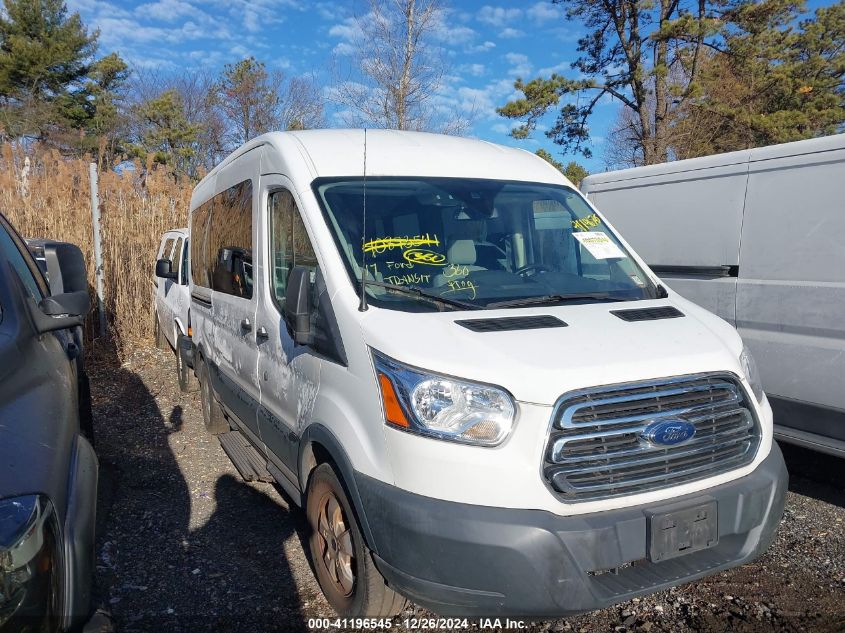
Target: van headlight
441	406
751	373
30	564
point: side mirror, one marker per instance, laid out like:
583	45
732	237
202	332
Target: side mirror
164	269
71	263
57	312
298	305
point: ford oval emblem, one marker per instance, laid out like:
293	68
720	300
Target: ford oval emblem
668	432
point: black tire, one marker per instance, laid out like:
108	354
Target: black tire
212	413
160	341
342	561
187	380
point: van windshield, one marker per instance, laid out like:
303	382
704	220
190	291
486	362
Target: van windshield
479	243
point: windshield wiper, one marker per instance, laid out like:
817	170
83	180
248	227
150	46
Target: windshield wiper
422	294
557	298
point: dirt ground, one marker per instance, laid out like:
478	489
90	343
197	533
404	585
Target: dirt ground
184	544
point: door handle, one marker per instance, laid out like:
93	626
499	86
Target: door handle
261	334
246	325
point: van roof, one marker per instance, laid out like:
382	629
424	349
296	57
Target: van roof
796	148
340	152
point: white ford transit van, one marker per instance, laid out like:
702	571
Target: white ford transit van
483	399
172	302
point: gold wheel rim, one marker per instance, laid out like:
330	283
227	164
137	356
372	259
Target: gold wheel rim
334	539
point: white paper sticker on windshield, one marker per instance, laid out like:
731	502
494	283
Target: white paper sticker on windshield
599	245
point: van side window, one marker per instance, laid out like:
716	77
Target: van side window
199	237
221	251
176	261
289	243
167	248
184	270
230	241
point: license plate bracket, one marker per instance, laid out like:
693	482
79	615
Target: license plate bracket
680	532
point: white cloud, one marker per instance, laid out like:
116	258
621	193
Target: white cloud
543	12
554	70
520	66
482	101
509	33
453	34
498	16
476	70
481	48
166	10
97	7
503	128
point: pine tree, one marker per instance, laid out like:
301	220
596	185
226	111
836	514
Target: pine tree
166	136
51	86
693	77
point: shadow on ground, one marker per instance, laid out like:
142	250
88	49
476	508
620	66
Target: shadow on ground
181	551
815	474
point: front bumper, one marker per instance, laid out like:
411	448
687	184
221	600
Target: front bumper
460	559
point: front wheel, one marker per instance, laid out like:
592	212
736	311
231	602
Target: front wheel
342	562
185	375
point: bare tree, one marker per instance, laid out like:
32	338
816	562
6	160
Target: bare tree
252	101
393	72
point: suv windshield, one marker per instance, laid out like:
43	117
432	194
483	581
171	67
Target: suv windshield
480	242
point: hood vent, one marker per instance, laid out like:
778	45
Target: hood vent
511	323
648	314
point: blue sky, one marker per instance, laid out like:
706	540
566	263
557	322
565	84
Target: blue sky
486	45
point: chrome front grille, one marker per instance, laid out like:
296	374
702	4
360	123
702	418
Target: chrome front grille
597	448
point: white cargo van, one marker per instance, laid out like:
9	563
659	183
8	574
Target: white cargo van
483	399
172	302
756	237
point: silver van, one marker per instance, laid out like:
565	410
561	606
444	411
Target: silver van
758	237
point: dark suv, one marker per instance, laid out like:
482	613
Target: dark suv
48	469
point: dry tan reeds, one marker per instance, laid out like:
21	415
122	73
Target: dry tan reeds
47	195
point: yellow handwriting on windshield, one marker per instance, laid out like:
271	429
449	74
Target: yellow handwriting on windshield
462	284
411	279
585	224
456	270
383	244
422	256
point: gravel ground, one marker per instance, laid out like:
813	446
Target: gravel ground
184	544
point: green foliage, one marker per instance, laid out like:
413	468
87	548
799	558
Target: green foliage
549	159
51	86
573	171
693	76
168	137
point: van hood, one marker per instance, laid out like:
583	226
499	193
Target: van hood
595	348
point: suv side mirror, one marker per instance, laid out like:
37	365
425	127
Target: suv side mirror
57	312
298	305
164	269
